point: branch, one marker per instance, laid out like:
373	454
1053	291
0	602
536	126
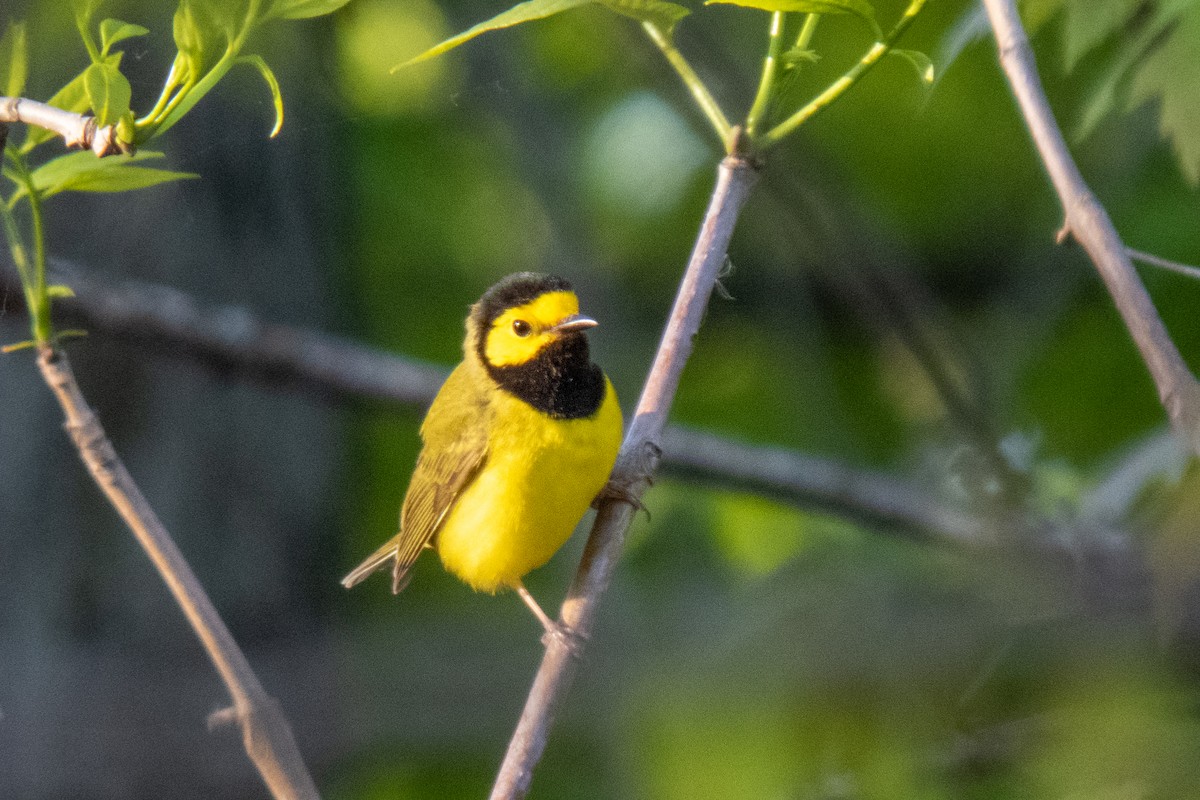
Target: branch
232	339
635	467
1163	263
77	130
265	733
1087	221
876	500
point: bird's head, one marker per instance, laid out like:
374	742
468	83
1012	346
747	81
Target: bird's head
525	317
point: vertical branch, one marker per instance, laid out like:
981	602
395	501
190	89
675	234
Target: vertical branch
266	735
635	468
1086	220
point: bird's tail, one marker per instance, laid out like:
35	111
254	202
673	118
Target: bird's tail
376	561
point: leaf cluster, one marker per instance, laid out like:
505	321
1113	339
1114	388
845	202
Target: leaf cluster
788	51
210	36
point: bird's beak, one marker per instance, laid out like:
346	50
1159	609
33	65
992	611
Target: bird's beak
575	322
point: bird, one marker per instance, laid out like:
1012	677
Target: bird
519	441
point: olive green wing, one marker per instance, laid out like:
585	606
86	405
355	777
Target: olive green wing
455	434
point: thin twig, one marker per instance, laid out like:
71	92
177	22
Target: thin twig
1088	223
766	84
77	130
1163	263
635	468
873	499
704	99
265	732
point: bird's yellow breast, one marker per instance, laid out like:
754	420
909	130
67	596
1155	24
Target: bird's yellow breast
539	478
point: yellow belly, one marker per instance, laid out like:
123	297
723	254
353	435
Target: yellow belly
538	481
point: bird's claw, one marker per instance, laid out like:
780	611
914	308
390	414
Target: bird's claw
564	634
622	490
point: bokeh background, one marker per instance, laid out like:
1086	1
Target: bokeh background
750	647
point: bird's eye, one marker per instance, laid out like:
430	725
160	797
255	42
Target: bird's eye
521	327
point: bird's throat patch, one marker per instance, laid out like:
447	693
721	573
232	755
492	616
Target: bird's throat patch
561	381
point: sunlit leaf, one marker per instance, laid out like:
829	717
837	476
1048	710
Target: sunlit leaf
522	12
113	31
920	62
59	291
192	38
303	9
84	172
14	60
84	11
258	63
859	8
203	30
108	92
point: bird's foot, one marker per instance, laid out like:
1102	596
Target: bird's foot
622	490
567	636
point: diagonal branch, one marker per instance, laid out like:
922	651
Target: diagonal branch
265	732
635	467
1088	223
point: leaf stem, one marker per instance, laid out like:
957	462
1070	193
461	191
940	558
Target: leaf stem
704	99
839	87
40	310
32	271
766	84
807	31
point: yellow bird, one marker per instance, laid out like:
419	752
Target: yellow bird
518	442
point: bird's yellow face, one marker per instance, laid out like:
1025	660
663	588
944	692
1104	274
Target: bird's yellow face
518	334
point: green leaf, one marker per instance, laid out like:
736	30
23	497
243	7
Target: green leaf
1170	75
522	12
859	8
72	97
113	31
14	60
663	15
922	63
257	62
303	9
204	29
59	290
84	11
193	37
83	172
108	92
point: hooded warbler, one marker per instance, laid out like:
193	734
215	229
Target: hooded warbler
519	440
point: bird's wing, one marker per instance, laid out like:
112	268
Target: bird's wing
455	434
